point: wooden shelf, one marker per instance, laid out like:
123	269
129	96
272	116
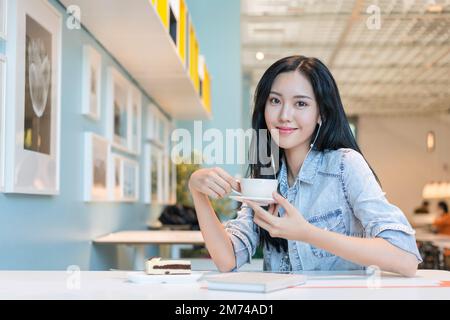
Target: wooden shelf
136	36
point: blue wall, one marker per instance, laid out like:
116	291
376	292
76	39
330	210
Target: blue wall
217	25
53	232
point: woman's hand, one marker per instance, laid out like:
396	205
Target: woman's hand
213	182
291	226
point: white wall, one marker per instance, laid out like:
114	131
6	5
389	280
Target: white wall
395	147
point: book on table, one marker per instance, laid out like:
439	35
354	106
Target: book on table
254	281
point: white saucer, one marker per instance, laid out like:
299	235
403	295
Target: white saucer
142	277
262	201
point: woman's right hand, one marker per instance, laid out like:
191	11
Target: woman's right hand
213	182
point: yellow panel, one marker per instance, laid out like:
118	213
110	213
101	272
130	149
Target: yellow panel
182	32
195	71
153	2
163	11
207	91
191	51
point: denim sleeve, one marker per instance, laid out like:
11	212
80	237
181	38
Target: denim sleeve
369	204
244	235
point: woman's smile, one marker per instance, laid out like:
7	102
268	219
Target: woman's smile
285	130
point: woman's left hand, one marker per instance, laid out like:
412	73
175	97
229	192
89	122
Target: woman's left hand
291	226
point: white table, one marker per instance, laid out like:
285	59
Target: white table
140	238
113	285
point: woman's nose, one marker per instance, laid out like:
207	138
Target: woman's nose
285	113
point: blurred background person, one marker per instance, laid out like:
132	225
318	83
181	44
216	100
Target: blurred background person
442	221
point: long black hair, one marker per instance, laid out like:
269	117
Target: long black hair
334	134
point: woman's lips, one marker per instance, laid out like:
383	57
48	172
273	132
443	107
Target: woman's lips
286	130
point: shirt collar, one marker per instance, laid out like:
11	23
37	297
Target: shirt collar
307	172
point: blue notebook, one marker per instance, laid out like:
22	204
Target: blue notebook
254	281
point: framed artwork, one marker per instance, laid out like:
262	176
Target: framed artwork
152	122
172	170
153	173
116	179
2	117
124	179
34	67
118	109
135	125
3	17
91	92
130	180
96	165
157	126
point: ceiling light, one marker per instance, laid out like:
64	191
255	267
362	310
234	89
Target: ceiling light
259	56
431	141
435	8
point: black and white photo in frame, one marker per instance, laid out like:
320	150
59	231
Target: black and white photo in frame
118	105
130	180
3	18
153	174
135	125
92	80
2	117
96	168
33	86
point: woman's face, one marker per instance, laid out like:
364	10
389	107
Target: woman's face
291	111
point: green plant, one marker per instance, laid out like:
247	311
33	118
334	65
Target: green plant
185	168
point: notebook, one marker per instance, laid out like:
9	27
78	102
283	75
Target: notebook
253	281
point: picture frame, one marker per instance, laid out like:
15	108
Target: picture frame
152	122
92	81
2	118
33	86
172	168
3	19
124	178
135	121
115	173
118	105
153	174
130	180
156	126
96	168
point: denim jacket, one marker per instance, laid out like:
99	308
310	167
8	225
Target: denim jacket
335	190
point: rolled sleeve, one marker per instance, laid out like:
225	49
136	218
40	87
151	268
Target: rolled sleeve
244	236
402	240
368	202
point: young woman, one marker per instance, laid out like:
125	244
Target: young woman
330	212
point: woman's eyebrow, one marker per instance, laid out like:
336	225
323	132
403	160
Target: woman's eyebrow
297	96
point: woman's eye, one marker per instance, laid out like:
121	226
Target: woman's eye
274	101
301	104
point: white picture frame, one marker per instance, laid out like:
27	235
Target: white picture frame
172	168
124	179
130	180
153	174
33	86
96	168
2	118
135	122
156	129
118	105
115	177
91	82
3	19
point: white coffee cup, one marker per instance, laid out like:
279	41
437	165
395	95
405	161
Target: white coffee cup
258	188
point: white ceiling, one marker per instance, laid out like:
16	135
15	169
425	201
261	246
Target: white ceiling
401	68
